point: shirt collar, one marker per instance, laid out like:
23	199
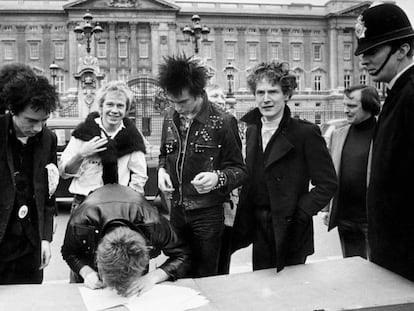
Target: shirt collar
121	126
271	125
392	82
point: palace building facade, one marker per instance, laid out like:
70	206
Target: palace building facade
317	41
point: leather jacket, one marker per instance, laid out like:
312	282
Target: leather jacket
212	144
120	205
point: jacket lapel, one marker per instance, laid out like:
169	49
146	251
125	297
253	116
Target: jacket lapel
337	146
278	149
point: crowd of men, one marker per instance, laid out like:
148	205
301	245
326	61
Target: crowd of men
361	181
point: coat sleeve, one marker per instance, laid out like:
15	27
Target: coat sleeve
50	201
321	171
232	160
176	249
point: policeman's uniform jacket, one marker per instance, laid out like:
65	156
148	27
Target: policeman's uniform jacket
212	144
114	204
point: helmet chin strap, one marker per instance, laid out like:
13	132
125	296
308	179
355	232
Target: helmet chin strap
392	51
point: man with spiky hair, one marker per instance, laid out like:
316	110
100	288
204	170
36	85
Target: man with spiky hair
200	160
27	154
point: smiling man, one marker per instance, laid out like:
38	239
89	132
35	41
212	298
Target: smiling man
385	42
283	155
349	147
27	148
106	148
200	161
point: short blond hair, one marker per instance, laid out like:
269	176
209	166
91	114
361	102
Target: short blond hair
115	86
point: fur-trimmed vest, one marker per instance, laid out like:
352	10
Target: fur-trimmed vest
128	140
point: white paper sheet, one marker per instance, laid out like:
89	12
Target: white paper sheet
160	297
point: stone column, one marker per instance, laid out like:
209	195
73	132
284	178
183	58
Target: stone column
285	45
220	56
21	43
333	56
113	52
241	62
263	44
307	56
172	36
72	54
47	45
134	48
155	44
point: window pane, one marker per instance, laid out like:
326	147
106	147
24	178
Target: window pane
8	50
102	49
34	50
230	51
347	51
296	52
317	52
252	51
123	49
143	50
59	50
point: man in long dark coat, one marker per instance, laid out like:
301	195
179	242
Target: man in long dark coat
385	41
283	155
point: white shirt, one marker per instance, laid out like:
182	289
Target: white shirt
268	129
392	82
132	168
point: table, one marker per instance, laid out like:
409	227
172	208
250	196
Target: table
345	284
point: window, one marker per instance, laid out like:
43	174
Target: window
347	80
274	52
101	49
59	50
33	28
123	75
252	51
34	50
274	30
317	81
9	50
230	30
60	83
59	28
8	28
347	51
296	31
207	50
317	52
363	79
297	104
317	104
318	118
296	52
122	48
230	51
298	80
252	30
143	49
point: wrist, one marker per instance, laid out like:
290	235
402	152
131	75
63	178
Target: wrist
222	179
84	271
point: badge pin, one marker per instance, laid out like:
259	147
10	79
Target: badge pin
23	211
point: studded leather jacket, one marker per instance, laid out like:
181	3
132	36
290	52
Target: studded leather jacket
211	143
114	205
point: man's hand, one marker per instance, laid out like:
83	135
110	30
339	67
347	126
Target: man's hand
204	182
164	183
93	146
325	218
146	282
90	278
45	254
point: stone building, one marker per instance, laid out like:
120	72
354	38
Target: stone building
316	40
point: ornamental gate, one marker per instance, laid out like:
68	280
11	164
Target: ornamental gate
147	111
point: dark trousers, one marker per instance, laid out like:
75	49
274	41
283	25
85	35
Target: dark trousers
354	239
22	270
264	246
225	252
202	229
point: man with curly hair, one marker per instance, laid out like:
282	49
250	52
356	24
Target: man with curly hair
27	148
200	160
283	156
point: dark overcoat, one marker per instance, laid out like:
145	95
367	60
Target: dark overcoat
43	154
296	155
390	201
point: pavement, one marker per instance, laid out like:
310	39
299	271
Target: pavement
327	247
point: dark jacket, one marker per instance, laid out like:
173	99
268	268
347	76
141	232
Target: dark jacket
296	155
115	203
213	144
390	206
43	154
